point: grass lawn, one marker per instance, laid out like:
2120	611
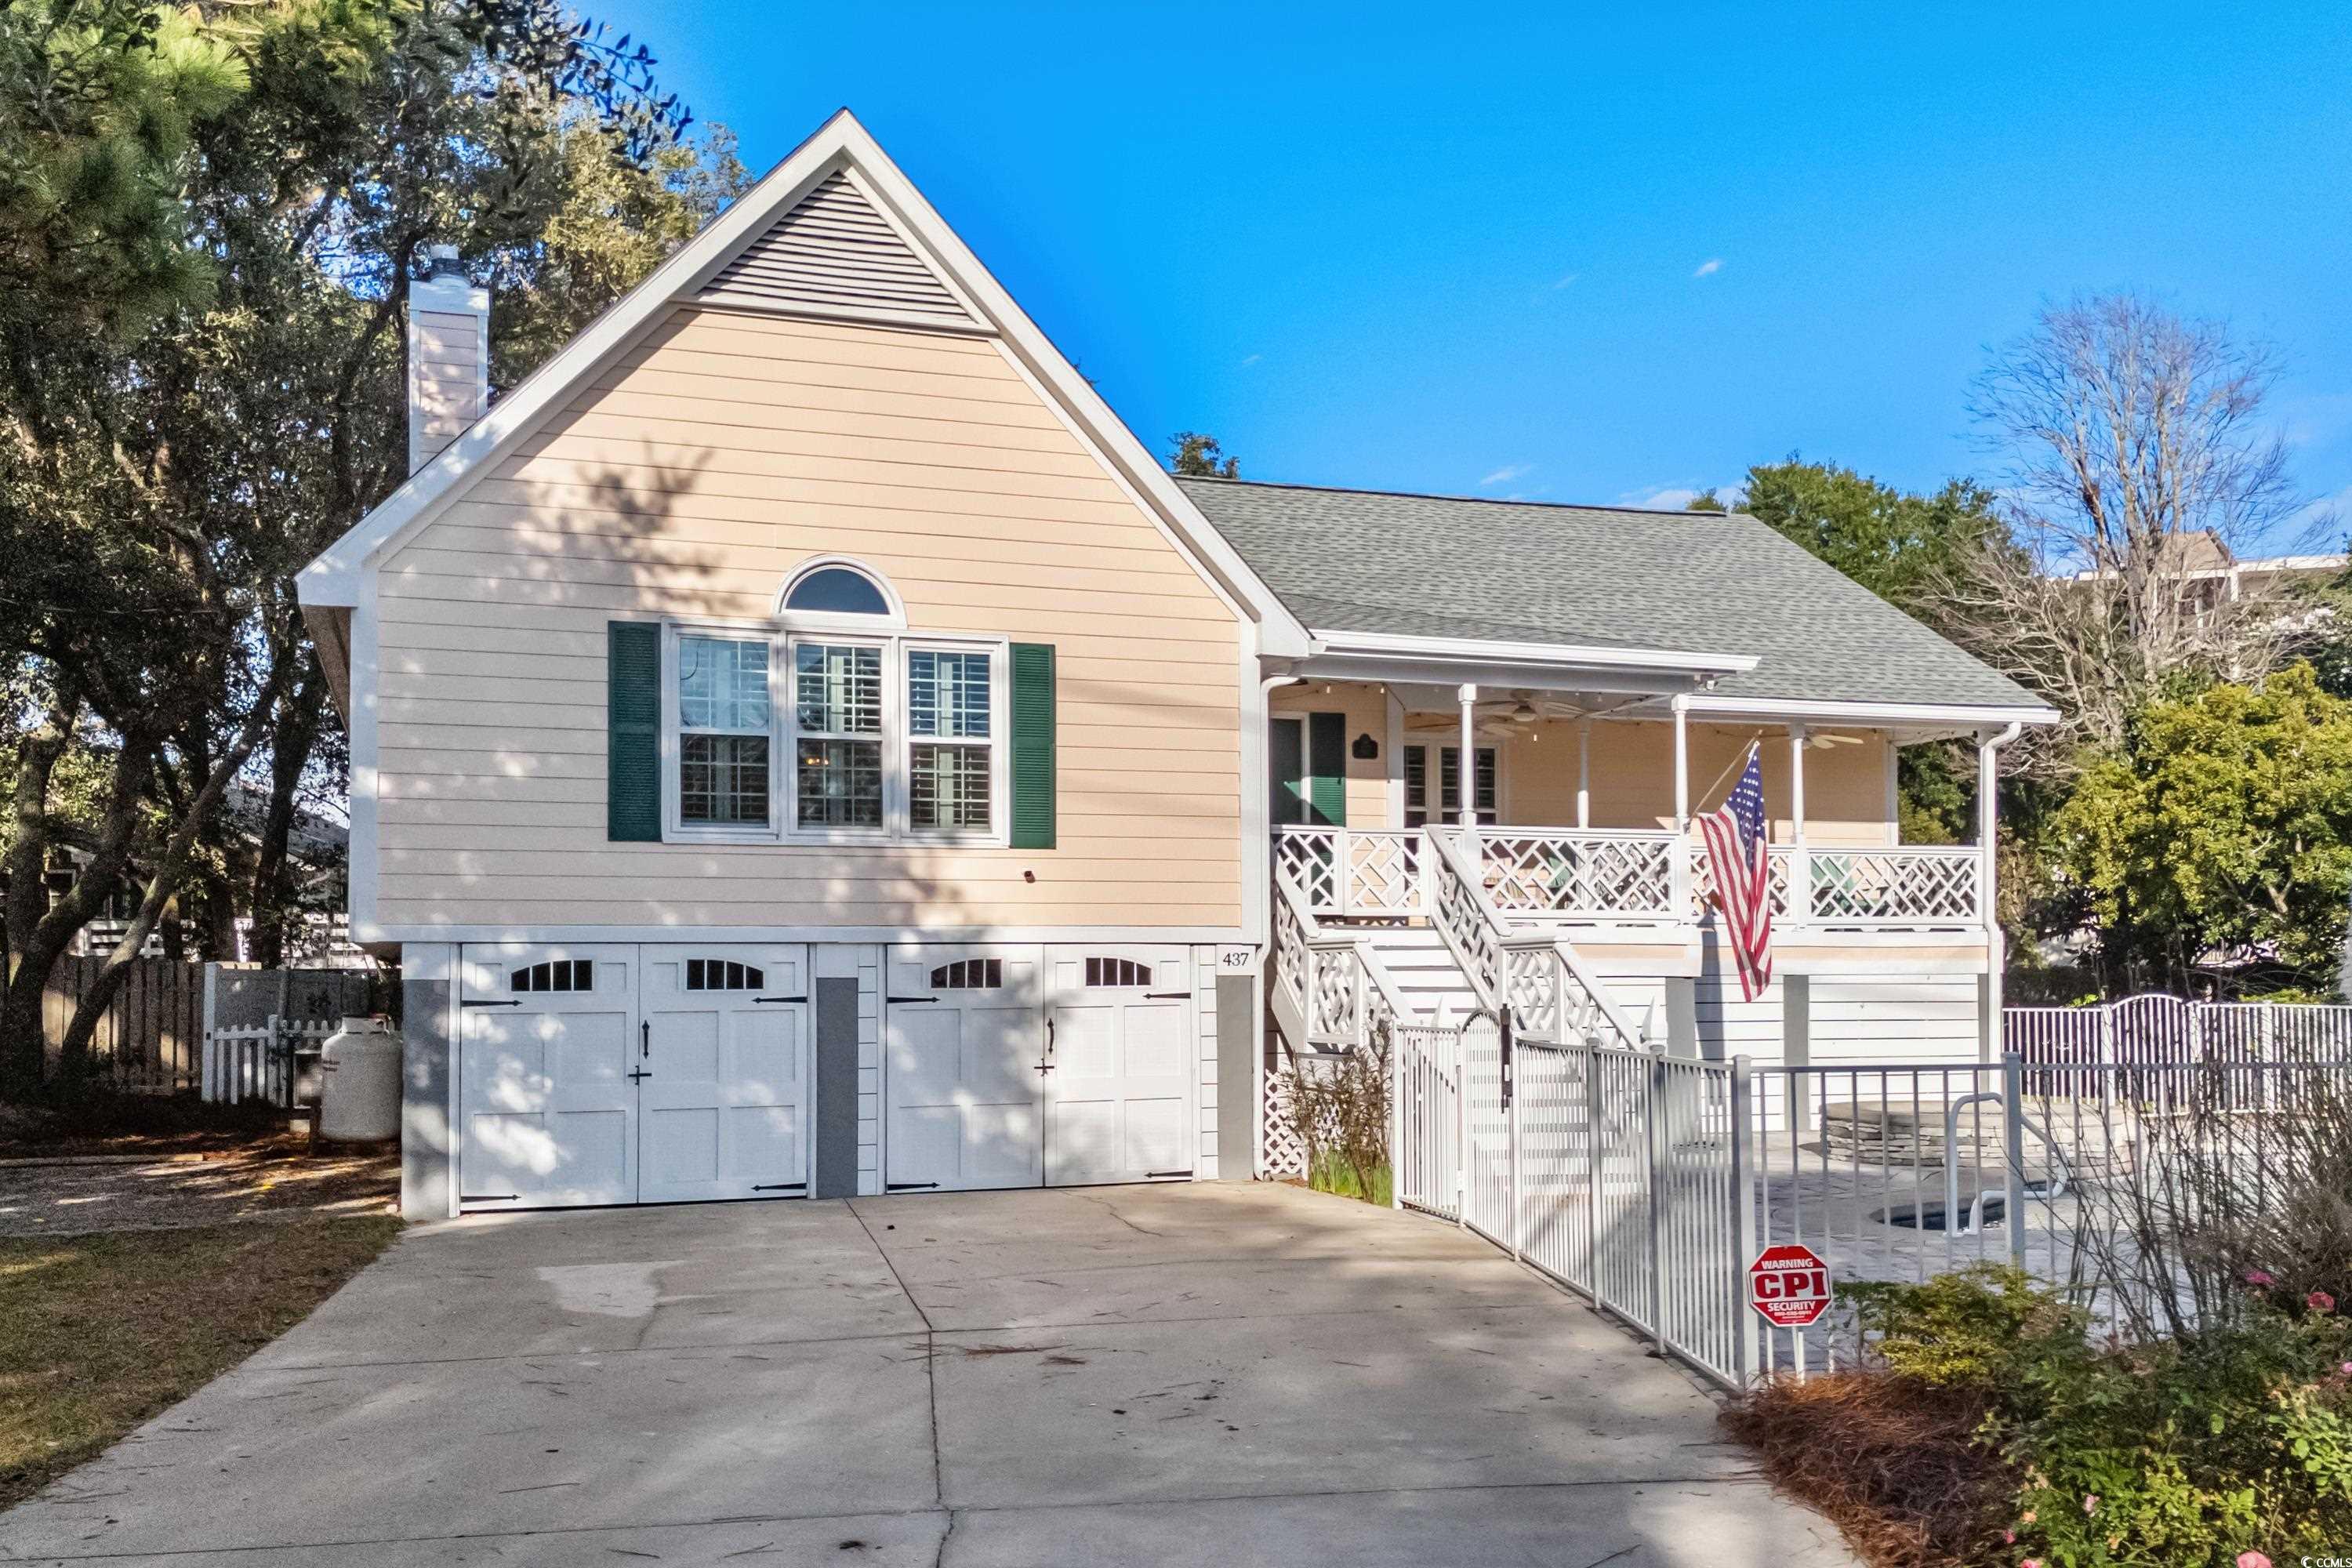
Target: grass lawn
104	1332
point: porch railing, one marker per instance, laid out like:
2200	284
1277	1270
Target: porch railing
1634	877
1911	887
1339	990
1551	993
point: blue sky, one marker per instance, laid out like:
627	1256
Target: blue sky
1594	253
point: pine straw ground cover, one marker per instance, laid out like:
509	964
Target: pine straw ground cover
104	1332
1890	1461
1986	1426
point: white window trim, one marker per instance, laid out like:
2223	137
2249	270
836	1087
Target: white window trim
1435	814
894	619
897	742
1000	743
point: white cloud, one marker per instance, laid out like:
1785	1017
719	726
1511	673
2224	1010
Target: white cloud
1252	359
1566	279
1710	267
1674	498
1506	473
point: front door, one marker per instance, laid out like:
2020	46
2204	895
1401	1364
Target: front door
548	1108
726	1055
1120	1044
1286	755
964	1067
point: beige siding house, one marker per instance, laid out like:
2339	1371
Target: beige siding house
804	744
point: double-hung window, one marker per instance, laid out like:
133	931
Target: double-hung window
724	734
837	725
950	741
837	698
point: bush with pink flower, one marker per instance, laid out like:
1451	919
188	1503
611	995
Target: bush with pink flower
2228	1449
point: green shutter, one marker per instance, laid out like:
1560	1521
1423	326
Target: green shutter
1032	745
1327	768
633	732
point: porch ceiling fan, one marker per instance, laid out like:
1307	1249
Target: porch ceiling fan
1524	707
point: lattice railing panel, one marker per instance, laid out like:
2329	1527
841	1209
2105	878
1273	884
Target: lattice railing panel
1309	857
1896	887
1593	876
1383	872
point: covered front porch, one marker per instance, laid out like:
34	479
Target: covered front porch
1580	807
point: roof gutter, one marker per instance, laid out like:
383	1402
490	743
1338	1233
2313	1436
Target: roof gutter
1563	657
1965	714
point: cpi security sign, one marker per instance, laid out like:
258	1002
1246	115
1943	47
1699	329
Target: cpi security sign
1789	1285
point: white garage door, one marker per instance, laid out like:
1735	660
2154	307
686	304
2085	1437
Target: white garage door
1120	1097
966	1033
726	1040
1021	1066
616	1074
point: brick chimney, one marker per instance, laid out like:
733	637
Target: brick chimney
448	354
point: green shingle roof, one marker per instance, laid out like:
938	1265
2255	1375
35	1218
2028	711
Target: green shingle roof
1367	560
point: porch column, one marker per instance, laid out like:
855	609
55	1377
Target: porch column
1465	774
1800	858
1583	772
1989	745
1680	706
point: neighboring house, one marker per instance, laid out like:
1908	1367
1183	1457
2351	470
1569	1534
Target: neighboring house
316	849
803	743
2211	575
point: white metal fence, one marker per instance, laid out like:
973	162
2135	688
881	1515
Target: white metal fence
1649	1183
2138	1030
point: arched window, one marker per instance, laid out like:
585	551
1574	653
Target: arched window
832	591
969	974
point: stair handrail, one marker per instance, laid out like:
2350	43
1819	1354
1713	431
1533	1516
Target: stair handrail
1369	980
1484	943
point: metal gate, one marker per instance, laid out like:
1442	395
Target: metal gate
1616	1172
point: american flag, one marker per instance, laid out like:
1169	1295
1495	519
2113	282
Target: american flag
1736	862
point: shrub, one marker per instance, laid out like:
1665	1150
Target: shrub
1339	1109
2187	1451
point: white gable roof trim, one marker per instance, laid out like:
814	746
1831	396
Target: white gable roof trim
843	160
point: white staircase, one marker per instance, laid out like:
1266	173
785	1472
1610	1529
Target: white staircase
1426	975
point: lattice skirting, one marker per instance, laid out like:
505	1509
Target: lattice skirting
1284	1153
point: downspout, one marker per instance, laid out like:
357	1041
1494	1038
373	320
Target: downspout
1258	901
1989	846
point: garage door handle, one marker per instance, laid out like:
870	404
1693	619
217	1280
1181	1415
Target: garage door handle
779	998
646	1039
911	998
1165	995
506	1003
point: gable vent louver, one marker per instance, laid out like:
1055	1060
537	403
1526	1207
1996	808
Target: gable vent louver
834	253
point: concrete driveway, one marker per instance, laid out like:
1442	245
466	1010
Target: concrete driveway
1125	1375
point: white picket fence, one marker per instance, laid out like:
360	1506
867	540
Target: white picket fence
257	1062
2174	1036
